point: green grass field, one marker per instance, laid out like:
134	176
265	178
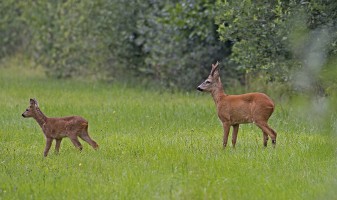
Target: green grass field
154	145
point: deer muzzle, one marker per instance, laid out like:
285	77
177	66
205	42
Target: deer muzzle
199	88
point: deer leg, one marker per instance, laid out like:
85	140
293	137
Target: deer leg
49	141
76	143
85	136
275	135
57	146
226	128
266	129
235	134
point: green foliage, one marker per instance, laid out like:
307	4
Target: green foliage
65	39
272	37
13	31
171	43
183	43
255	29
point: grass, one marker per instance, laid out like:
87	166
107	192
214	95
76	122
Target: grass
153	145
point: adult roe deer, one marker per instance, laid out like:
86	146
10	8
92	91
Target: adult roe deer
58	128
234	110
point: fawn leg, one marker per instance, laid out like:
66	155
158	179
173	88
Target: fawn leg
76	143
235	134
57	146
85	136
226	128
49	141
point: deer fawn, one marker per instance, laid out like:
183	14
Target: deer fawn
234	110
58	128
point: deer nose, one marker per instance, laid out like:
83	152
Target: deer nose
23	115
199	88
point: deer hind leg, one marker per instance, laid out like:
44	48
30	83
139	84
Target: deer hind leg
226	128
49	141
76	143
57	146
275	134
266	129
265	139
235	134
85	136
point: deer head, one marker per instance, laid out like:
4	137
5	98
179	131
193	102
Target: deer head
212	81
32	109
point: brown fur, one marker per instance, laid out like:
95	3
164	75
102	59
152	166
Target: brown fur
239	109
58	128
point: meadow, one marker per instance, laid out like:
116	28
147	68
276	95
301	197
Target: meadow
155	145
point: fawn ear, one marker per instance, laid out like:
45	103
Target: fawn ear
34	102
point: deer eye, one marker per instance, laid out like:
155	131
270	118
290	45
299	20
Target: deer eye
27	109
208	82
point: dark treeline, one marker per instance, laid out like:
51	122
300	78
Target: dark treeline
173	43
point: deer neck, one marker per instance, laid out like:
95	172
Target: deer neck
40	118
218	92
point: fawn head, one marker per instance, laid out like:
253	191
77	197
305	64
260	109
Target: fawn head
212	80
32	109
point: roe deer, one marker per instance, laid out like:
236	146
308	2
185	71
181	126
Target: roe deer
58	128
239	109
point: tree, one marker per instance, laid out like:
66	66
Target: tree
14	35
269	37
183	43
64	37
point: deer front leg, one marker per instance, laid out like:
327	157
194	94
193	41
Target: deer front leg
235	134
225	134
57	146
49	141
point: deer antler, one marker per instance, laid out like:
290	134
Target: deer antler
214	66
